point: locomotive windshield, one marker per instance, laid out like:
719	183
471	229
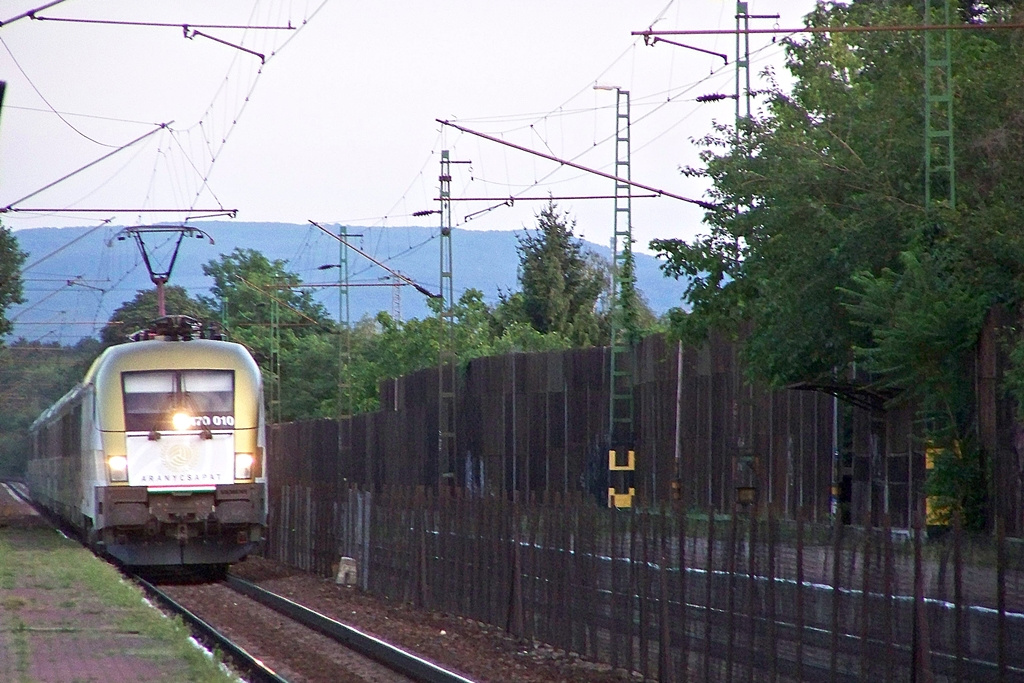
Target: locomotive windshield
153	398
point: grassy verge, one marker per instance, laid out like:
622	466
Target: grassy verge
42	573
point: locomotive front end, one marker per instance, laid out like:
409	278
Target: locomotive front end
182	455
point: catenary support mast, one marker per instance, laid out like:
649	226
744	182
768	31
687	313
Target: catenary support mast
939	170
446	360
621	454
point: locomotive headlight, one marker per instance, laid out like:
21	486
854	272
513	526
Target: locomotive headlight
243	465
181	421
117	468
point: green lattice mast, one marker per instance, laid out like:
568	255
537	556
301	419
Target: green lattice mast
621	455
939	170
446	361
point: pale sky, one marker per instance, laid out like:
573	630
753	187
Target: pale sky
339	124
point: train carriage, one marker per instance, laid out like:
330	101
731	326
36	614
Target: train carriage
157	456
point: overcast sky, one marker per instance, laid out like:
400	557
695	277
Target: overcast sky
338	124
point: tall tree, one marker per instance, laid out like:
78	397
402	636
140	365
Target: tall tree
11	260
247	288
561	283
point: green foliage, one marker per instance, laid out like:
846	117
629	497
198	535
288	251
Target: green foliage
957	484
386	348
561	283
820	249
924	323
11	260
253	293
820	195
32	377
136	314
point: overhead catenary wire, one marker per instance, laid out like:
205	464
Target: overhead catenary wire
669	99
566	162
417	286
836	29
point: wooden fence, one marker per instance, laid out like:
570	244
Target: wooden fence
681	597
533	423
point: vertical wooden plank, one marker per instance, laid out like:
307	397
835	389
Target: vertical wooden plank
366	502
888	590
773	642
640	588
643	594
958	597
684	609
837	562
1001	595
516	607
613	593
752	617
733	550
800	595
865	603
919	648
422	510
708	592
664	634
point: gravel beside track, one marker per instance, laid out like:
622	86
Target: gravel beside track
479	652
295	652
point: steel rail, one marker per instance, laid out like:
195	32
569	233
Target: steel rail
253	666
390	656
15	489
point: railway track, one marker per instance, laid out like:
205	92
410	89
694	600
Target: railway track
273	639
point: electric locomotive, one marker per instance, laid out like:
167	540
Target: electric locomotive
157	456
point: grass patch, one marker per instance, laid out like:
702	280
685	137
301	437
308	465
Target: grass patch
87	587
19	643
12	603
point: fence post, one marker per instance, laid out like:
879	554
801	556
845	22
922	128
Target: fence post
865	606
613	631
643	592
752	589
1001	594
684	646
366	509
631	591
800	594
773	644
958	595
421	508
708	608
664	635
733	548
516	606
921	656
888	580
837	579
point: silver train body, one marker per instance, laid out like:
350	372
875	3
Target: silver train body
158	456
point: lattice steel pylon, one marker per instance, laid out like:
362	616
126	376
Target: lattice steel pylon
275	362
742	59
621	454
446	357
344	346
939	167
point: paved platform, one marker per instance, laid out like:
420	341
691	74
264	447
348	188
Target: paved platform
68	617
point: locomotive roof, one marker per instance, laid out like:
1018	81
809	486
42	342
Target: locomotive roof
171	355
158	354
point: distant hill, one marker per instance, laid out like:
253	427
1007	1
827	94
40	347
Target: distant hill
76	277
